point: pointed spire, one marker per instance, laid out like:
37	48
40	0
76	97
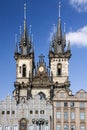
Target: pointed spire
59	8
58	43
51	40
25	11
25	41
59	30
68	47
30	28
32	38
24	20
20	28
16	46
64	39
64	28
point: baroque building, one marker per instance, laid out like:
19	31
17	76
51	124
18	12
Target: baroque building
42	99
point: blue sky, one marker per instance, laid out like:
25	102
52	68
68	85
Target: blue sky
42	14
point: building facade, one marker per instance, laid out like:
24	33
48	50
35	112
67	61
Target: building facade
42	99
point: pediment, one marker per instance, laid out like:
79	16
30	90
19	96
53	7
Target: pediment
61	94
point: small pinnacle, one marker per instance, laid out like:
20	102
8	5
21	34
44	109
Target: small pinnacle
30	28
20	29
64	27
25	11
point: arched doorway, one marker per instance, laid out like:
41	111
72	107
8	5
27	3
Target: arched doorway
23	124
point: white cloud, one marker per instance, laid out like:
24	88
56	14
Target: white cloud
79	37
79	5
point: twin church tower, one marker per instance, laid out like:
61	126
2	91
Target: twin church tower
42	99
37	79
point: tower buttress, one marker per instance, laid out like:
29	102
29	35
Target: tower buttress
24	65
59	57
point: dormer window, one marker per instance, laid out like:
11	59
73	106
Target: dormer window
59	69
24	70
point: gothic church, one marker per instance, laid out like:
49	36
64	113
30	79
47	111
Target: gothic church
42	99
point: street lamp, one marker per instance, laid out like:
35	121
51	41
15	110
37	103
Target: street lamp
39	122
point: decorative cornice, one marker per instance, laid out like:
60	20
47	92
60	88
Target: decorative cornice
66	54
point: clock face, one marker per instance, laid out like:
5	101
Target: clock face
41	68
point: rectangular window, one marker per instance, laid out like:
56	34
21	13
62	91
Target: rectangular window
13	112
20	69
72	127
7	128
65	127
58	114
46	127
81	95
65	115
8	112
82	127
72	115
82	115
62	95
42	112
3	112
72	104
30	127
65	104
31	112
15	127
36	112
37	128
82	105
58	127
58	104
0	128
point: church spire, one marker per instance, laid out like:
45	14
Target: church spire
25	42
59	9
25	25
59	30
59	42
25	21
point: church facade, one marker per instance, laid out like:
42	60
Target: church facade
42	99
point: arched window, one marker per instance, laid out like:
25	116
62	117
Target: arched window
59	69
24	70
42	95
20	69
23	124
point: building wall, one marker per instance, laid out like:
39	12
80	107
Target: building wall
70	111
28	63
11	113
64	72
45	91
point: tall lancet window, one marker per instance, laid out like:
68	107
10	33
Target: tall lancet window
24	70
59	69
